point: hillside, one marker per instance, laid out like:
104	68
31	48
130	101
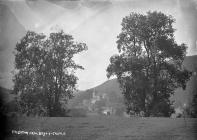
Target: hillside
107	96
112	89
6	95
191	63
185	96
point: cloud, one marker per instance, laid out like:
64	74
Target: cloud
76	4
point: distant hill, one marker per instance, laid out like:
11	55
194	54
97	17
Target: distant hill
6	95
113	91
191	63
107	96
185	96
110	87
103	97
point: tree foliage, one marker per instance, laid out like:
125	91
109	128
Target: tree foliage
193	104
193	112
45	77
149	64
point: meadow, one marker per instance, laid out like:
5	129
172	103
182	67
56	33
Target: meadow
104	128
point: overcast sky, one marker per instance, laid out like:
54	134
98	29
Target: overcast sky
94	22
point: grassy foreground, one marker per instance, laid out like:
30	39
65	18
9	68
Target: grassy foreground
105	128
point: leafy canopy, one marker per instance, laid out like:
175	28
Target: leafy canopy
45	77
149	63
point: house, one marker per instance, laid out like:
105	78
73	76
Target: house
95	97
108	111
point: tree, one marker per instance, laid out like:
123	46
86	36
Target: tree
149	64
45	72
193	104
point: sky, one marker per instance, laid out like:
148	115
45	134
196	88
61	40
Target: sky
94	22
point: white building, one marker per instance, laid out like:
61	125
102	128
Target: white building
107	110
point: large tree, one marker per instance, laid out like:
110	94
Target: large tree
45	72
149	64
193	104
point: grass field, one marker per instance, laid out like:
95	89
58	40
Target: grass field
106	128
